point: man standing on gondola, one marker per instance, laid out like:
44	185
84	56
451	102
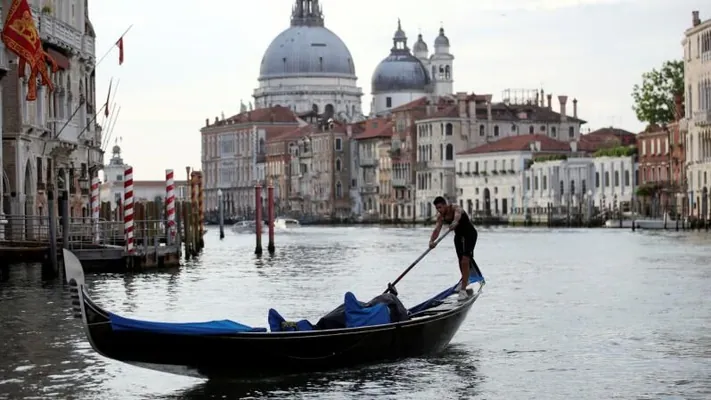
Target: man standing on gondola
465	236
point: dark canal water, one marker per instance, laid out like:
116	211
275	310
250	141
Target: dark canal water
566	314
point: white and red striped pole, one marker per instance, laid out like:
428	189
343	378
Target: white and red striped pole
128	208
170	204
95	207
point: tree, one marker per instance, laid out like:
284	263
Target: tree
654	100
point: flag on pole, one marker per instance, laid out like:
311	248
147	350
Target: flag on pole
120	47
21	37
108	97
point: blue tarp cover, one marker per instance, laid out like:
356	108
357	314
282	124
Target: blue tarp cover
277	323
357	315
221	327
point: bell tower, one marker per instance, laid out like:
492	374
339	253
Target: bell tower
307	13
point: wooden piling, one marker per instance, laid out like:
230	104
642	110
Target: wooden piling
258	218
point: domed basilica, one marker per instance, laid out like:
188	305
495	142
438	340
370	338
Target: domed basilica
307	68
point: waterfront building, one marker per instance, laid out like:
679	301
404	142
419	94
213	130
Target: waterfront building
697	82
234	155
490	177
111	188
52	140
375	133
307	67
309	167
403	77
467	121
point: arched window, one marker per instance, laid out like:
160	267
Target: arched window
447	72
530	129
329	111
496	130
441	151
450	152
339	189
338	164
449	129
571	132
481	130
314	108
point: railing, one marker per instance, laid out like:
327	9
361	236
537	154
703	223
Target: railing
53	29
702	117
88	46
369	189
368	162
400	182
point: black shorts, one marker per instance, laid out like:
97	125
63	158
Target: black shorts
465	244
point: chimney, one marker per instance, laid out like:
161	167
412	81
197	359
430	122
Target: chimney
575	108
563	116
216	119
550	99
488	107
462	103
574	146
695	20
543	98
207	122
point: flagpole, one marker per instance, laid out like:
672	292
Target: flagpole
76	110
91	122
111	48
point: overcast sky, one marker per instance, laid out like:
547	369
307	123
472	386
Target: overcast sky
184	64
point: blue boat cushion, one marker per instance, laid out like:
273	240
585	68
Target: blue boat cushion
358	315
277	323
220	327
336	319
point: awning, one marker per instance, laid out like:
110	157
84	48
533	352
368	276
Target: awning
61	59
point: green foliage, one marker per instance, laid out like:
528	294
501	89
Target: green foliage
617	151
648	189
654	99
550	157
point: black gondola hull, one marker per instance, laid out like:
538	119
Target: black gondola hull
249	355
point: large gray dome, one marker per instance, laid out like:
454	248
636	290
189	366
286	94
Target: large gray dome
307	50
400	71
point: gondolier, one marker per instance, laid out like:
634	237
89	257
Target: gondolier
465	236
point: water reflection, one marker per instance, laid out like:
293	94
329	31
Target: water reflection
457	367
611	313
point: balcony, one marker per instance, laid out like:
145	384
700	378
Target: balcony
395	153
368	162
400	182
369	189
702	118
684	125
422	165
59	33
261	158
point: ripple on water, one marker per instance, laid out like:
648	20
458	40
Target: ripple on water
566	314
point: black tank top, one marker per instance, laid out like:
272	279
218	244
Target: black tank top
464	227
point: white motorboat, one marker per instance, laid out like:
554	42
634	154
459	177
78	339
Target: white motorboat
286	223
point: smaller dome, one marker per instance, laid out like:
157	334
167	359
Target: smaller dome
420	45
116	149
400	72
441	40
399	33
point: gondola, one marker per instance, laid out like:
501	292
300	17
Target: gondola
355	333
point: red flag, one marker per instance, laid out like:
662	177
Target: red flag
21	37
120	46
108	96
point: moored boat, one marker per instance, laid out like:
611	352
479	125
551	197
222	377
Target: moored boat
352	334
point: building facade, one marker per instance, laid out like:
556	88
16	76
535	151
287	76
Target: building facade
376	133
52	142
234	156
307	67
697	81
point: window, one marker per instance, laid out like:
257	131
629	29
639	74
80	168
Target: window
338	164
545	182
535	183
627	178
450	152
449	129
482	132
617	178
388	102
339	144
339	190
571	132
607	179
553	132
496	130
530	129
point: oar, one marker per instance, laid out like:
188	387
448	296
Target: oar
391	286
